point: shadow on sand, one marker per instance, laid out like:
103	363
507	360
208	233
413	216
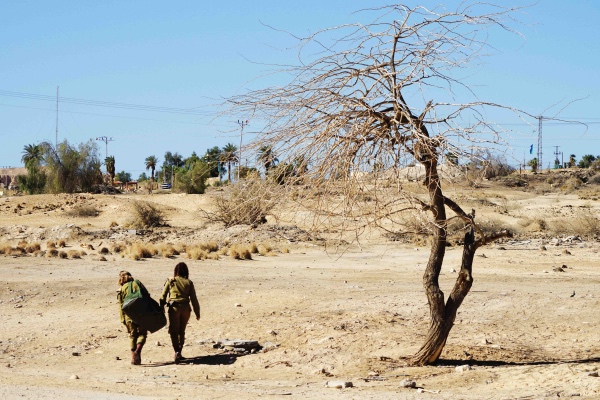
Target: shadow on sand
214	359
495	363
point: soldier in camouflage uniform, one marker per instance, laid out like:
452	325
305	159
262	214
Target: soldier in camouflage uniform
180	292
137	334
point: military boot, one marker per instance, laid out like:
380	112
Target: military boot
133	358
138	354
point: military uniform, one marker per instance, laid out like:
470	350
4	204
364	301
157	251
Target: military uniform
180	292
137	334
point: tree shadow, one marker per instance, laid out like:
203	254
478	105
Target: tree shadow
497	363
214	359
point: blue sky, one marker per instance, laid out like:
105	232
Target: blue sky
189	54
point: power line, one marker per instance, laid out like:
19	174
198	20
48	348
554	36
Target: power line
98	103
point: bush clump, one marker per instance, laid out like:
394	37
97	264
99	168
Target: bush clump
245	203
146	216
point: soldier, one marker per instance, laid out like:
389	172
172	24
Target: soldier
137	334
180	291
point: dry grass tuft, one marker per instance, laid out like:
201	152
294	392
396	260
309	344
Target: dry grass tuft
140	250
33	247
196	253
265	250
113	224
62	243
63	255
240	252
52	253
83	211
50	244
168	251
74	254
118	248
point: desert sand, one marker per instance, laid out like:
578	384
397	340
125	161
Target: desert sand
527	330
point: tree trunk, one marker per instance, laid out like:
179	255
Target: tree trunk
443	319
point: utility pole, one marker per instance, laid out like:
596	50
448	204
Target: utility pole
539	155
105	139
242	124
556	154
56	139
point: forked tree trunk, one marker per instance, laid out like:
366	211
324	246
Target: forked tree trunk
443	320
442	314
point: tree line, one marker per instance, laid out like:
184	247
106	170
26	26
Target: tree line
68	168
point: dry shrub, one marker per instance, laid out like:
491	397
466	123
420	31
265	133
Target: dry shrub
536	224
147	215
62	243
240	252
264	248
139	250
211	247
167	251
32	248
118	248
74	254
244	203
253	248
196	253
52	253
104	250
84	211
82	253
63	255
584	223
50	244
113	224
571	184
181	247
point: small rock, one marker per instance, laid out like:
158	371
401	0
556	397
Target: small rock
452	270
75	353
462	368
566	252
158	343
339	384
407	383
501	248
73	377
542	247
593	374
237	305
558	269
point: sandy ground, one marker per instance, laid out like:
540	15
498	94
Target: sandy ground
525	331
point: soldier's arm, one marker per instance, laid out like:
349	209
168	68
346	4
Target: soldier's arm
165	293
194	300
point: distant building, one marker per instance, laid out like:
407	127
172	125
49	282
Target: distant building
9	175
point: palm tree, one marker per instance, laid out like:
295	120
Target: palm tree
32	155
110	167
267	158
151	162
229	156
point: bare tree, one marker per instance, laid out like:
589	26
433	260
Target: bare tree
383	94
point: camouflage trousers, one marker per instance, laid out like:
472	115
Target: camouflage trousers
179	315
137	334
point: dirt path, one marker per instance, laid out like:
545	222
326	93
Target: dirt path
525	330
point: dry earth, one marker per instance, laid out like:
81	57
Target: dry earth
526	330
